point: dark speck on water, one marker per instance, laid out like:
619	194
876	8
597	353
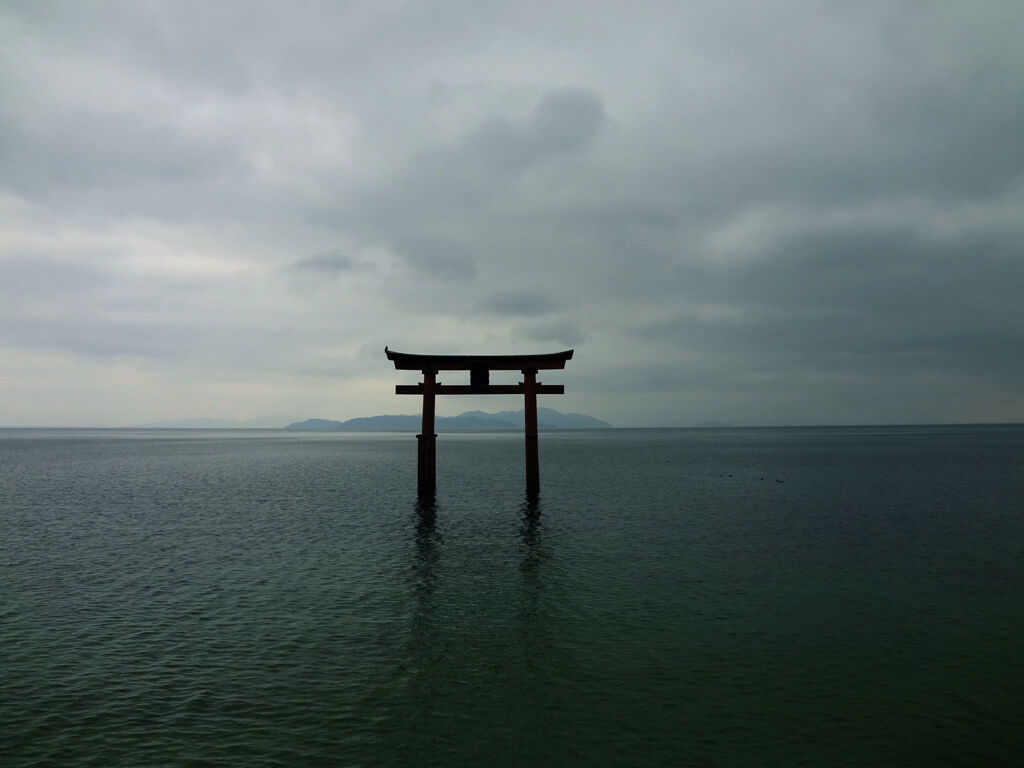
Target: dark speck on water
278	598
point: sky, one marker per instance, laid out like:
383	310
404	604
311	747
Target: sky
752	213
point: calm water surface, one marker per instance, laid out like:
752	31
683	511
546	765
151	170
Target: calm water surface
680	597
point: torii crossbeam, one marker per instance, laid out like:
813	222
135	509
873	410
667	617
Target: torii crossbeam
479	367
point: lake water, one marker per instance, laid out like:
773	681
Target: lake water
732	597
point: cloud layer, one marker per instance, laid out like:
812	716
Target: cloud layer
795	213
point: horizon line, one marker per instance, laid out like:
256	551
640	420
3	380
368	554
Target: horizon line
485	429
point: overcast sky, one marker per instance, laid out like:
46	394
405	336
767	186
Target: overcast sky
756	213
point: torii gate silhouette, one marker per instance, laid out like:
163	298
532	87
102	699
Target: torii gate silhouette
479	367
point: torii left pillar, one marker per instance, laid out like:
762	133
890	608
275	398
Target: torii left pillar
426	455
530	427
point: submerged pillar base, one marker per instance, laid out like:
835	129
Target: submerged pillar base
532	465
426	464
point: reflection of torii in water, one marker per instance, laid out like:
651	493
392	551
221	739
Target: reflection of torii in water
479	367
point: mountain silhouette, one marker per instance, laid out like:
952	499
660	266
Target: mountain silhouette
547	418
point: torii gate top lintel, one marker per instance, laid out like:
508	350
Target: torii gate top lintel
407	362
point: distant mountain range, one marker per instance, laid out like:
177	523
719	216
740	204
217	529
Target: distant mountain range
547	418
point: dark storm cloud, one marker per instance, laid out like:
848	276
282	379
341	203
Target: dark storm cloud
564	333
793	212
518	303
445	211
437	257
565	120
328	263
884	304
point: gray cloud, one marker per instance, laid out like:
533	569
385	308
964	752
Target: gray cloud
798	214
565	333
565	120
328	263
437	257
518	303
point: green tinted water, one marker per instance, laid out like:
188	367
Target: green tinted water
721	597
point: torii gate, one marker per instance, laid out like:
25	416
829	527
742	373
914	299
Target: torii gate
479	367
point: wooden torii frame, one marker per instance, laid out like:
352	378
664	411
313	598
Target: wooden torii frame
479	367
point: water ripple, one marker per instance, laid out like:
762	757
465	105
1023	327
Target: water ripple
225	601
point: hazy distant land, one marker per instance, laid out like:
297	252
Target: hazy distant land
209	422
547	418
